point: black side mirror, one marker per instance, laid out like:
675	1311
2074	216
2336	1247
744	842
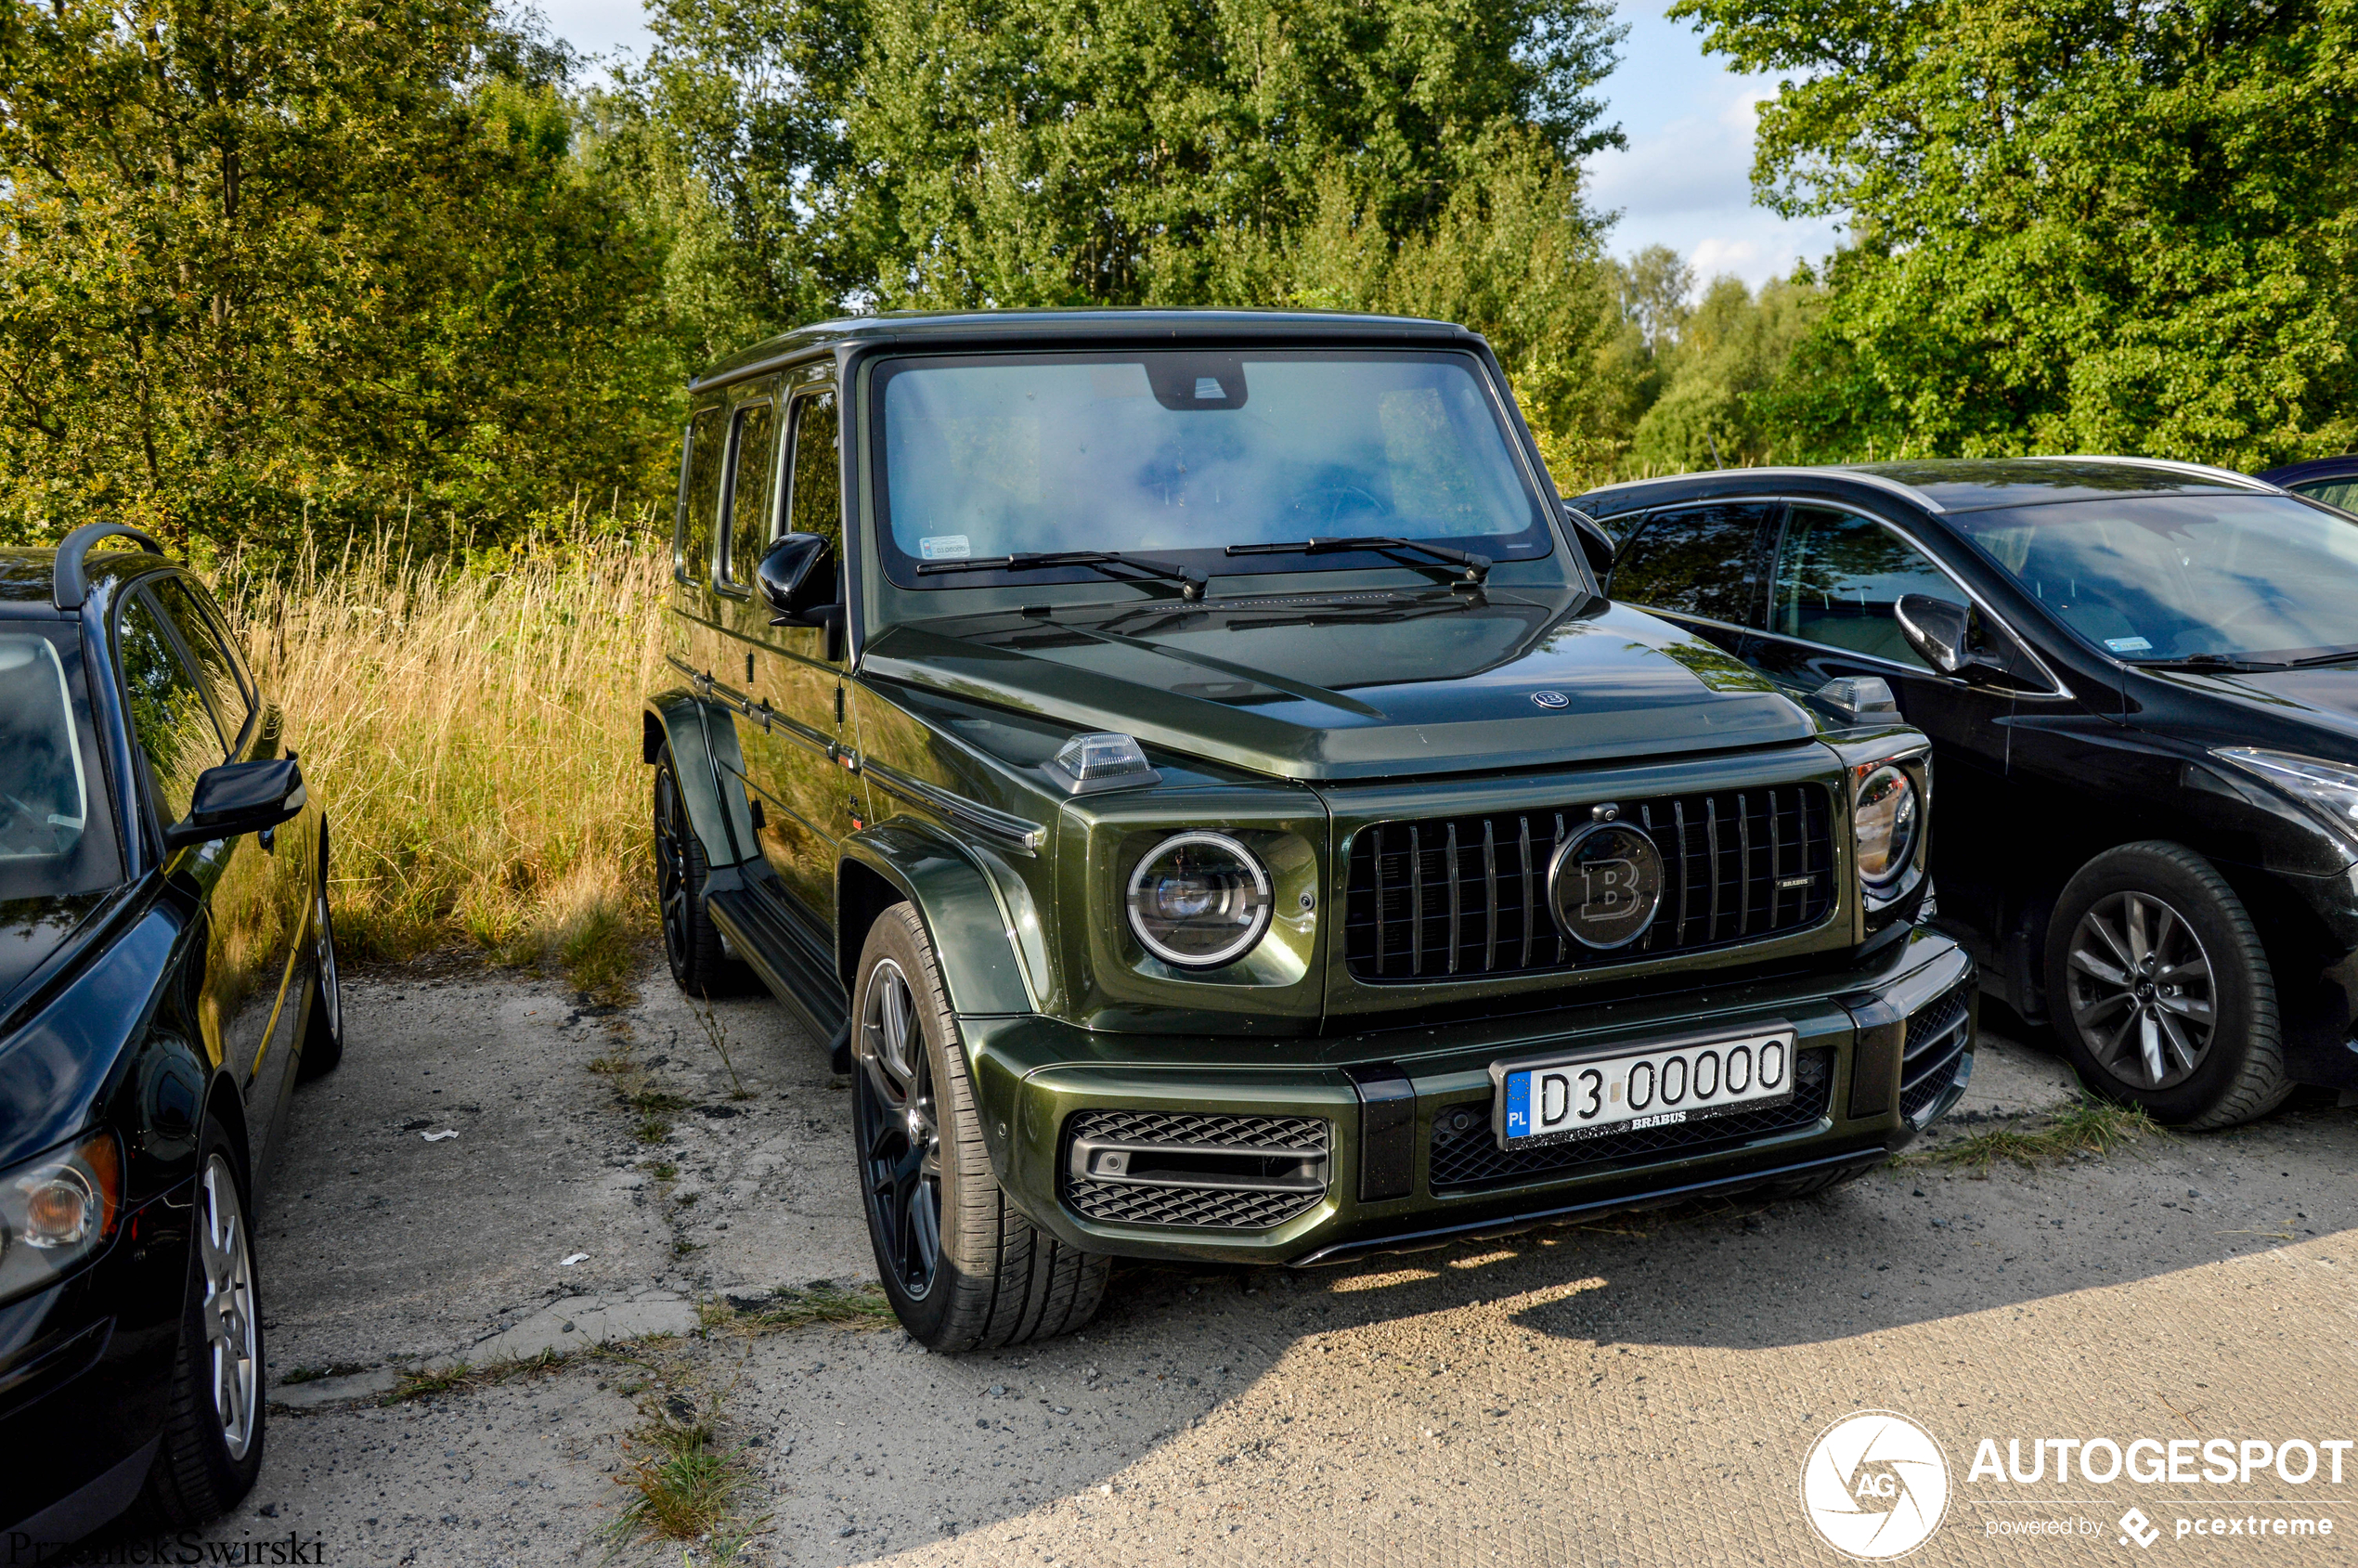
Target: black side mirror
1958	640
1595	543
798	577
239	797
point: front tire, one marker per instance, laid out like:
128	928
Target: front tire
962	1266
2161	991
323	1036
213	1425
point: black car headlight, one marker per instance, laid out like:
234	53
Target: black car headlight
1886	816
57	1210
2328	789
1199	899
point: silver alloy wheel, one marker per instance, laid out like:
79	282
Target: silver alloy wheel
330	984
2142	990
228	1309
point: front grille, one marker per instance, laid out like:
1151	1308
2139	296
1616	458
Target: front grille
1146	1203
1467	896
1938	1035
1468	1159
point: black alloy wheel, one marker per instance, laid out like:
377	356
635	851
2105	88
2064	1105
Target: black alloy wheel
2161	991
900	1132
700	964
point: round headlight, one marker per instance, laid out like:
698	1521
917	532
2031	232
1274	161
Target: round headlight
1198	898
1884	819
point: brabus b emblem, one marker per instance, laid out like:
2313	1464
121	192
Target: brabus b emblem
1551	699
1605	884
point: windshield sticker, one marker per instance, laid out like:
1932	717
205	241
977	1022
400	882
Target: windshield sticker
2129	645
944	547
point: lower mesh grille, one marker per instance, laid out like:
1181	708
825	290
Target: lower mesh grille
1467	1158
1147	1202
1938	1034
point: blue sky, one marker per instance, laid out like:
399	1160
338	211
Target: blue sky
1684	182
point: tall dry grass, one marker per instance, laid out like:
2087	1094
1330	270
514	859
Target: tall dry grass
474	733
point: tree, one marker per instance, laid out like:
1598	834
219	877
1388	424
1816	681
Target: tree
1732	351
323	261
2077	224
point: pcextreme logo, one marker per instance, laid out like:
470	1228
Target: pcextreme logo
1874	1486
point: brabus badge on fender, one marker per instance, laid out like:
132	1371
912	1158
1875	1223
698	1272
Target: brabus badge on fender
1605	885
1551	699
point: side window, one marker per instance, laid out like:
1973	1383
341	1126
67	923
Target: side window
2342	493
1838	577
216	670
699	498
169	715
817	499
1697	560
744	530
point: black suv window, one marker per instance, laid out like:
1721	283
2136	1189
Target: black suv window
1696	559
700	500
816	501
216	669
745	532
169	716
1838	577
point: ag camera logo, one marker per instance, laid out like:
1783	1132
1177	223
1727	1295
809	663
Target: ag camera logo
1875	1486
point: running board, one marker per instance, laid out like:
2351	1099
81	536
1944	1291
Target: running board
791	965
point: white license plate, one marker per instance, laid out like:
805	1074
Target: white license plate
1555	1102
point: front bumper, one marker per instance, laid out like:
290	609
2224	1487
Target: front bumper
1410	1159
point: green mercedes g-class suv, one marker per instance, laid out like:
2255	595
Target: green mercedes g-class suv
1184	765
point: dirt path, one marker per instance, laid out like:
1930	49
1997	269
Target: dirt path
1617	1395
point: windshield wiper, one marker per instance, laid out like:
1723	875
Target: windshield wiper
2225	662
1191	583
2345	656
1477	566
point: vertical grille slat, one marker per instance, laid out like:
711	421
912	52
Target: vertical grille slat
1726	856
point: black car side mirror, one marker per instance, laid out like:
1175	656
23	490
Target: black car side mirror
239	797
797	579
1955	639
1595	543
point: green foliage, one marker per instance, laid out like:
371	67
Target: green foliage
1721	371
327	262
2081	226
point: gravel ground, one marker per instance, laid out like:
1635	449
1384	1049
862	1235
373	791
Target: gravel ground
1615	1394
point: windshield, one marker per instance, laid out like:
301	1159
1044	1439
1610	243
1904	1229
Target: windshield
1179	455
54	834
2263	579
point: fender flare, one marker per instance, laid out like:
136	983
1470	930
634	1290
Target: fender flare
975	933
704	752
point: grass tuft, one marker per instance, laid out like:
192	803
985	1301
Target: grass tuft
2087	1126
860	1307
685	1483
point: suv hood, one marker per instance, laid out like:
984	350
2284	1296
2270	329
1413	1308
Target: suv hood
1354	686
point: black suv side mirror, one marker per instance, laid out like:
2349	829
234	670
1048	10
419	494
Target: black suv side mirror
1595	543
1956	640
797	577
239	797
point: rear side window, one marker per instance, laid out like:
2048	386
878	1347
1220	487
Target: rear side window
699	498
55	836
1696	559
216	669
816	501
746	532
1839	577
170	718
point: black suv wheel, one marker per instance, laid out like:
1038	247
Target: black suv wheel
2161	991
700	966
963	1267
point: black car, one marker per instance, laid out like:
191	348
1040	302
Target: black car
2331	480
167	972
2140	680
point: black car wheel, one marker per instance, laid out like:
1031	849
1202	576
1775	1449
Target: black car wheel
323	1036
2161	989
699	964
212	1431
962	1266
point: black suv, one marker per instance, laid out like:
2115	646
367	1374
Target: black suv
167	973
2140	680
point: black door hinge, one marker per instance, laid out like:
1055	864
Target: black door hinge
838	706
